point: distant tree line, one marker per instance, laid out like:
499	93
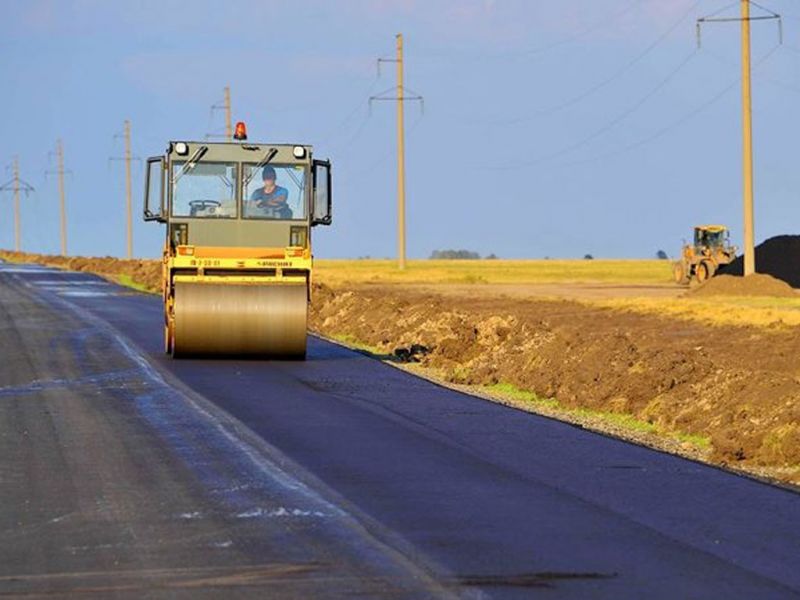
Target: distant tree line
458	254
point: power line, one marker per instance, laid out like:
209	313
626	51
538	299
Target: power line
603	22
362	105
769	79
661	132
673	125
581	34
608	126
381	158
605	82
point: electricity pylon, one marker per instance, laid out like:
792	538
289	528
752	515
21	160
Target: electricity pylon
401	97
226	107
747	121
61	193
127	158
17	185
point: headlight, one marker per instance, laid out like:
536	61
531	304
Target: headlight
299	152
182	148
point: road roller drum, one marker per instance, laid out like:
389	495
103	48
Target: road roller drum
225	319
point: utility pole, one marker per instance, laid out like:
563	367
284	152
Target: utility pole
17	218
744	18
17	185
227	102
401	161
60	171
61	197
128	158
226	107
400	97
747	145
128	199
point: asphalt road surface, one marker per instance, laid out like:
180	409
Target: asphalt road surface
126	474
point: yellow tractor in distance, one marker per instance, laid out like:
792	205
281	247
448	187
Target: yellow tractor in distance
237	258
710	250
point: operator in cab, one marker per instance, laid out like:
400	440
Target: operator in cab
271	199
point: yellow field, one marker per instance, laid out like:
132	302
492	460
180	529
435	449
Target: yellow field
494	271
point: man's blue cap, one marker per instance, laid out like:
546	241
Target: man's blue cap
268	173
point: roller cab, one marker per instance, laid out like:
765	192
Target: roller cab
237	262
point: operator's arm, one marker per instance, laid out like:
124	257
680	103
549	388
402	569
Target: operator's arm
279	197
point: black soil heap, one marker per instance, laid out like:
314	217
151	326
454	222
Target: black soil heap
778	256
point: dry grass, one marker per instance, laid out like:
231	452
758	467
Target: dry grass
341	272
767	312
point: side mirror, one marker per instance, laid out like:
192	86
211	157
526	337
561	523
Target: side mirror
322	195
154	190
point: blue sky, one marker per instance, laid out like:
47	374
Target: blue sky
550	128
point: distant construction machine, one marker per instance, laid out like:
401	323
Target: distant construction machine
237	259
700	260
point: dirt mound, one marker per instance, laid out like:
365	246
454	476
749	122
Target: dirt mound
756	284
778	256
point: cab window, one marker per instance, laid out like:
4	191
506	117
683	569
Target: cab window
207	190
274	192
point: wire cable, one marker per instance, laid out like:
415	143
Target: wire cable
605	82
380	160
674	125
608	126
574	38
763	76
362	104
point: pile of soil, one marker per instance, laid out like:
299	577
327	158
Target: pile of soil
737	385
756	284
778	256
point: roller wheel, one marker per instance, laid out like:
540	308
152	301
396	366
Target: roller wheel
267	320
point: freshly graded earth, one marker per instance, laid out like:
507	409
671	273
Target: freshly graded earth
757	284
732	392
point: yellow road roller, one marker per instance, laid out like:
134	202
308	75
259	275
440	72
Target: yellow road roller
237	259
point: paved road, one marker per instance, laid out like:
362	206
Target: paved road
126	474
